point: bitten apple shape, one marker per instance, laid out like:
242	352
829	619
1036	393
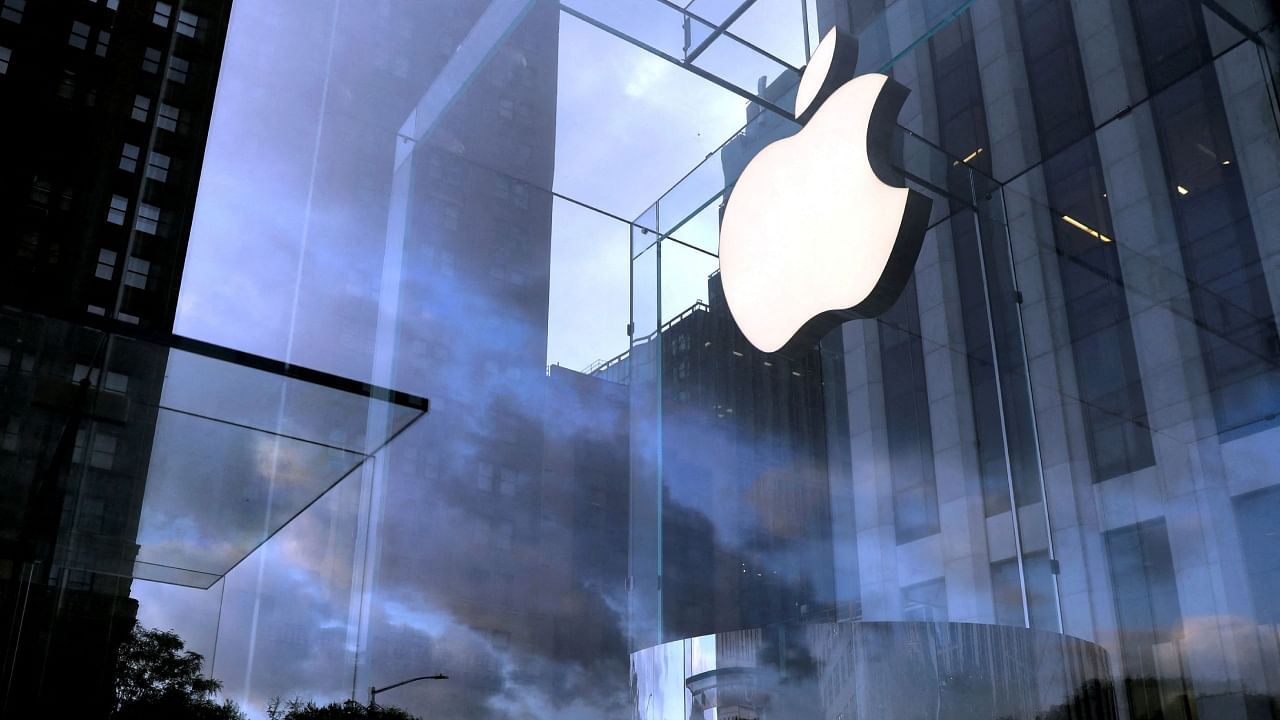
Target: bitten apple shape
820	228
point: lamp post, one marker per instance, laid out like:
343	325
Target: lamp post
373	691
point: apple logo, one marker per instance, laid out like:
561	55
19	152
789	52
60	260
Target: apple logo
820	228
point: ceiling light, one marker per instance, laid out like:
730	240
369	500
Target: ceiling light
1085	228
1182	190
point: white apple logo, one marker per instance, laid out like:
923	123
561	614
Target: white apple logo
820	228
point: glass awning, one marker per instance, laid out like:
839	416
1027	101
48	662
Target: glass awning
206	452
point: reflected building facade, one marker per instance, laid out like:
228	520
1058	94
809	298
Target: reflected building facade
109	106
1041	485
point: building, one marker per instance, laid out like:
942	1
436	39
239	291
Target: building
109	106
1041	485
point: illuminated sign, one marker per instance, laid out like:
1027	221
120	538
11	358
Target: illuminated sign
820	228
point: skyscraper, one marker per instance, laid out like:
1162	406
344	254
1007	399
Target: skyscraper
109	105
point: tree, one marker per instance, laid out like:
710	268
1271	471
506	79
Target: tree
296	709
157	677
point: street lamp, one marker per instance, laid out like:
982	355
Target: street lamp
373	691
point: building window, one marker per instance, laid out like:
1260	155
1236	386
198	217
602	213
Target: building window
135	273
141	107
79	35
106	264
178	69
167	117
111	4
148	220
103	454
158	166
127	318
151	60
67	87
1006	588
129	157
104	38
12	10
6	356
188	23
5	54
164	11
96	310
119	206
40	190
1148	612
926	602
10	441
1258	522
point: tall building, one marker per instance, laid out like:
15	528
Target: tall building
745	493
109	103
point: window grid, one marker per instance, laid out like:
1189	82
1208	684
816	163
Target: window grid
188	23
151	60
12	10
141	108
148	219
119	206
129	157
135	273
162	15
178	69
79	37
158	167
167	117
106	264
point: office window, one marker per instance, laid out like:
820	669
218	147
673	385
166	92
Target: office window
5	54
162	15
1149	617
925	602
106	264
96	310
910	438
1258	522
129	157
188	23
167	117
141	107
158	167
12	10
1006	590
1105	358
135	273
79	37
151	60
178	69
119	206
148	219
104	39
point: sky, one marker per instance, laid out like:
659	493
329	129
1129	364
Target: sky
279	264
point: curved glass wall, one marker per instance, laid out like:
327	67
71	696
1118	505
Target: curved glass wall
368	340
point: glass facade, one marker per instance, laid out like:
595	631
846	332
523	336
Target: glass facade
363	341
